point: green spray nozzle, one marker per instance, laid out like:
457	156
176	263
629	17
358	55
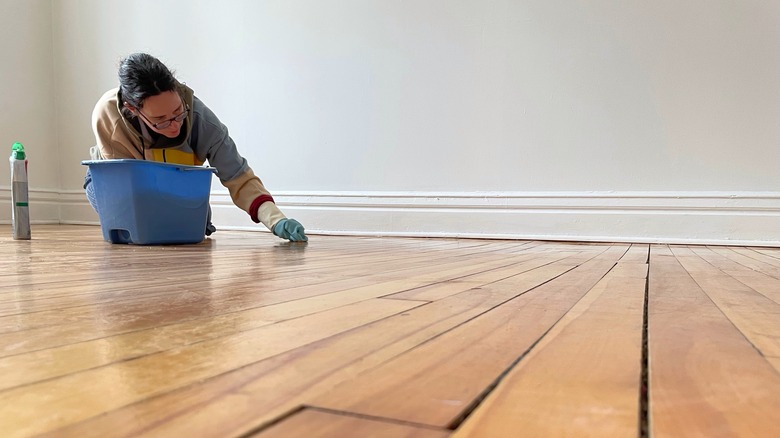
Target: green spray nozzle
17	151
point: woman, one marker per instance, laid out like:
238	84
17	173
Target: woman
151	116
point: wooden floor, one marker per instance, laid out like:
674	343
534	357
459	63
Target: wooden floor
245	335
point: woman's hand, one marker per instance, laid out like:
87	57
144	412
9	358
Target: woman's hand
291	230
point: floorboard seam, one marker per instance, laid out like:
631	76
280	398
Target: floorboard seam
644	389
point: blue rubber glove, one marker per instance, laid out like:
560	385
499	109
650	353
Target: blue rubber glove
291	230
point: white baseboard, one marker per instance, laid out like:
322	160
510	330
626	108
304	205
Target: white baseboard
717	218
44	206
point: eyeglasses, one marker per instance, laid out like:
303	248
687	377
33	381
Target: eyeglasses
166	123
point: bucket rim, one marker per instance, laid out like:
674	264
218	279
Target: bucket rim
145	162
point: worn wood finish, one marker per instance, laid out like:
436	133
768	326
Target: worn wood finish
245	335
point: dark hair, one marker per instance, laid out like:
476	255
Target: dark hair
142	75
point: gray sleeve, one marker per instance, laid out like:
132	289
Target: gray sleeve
211	142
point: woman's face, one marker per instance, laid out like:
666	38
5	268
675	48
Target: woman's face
161	110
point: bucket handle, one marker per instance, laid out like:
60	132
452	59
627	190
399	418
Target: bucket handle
192	168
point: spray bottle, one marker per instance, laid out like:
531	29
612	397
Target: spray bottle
20	214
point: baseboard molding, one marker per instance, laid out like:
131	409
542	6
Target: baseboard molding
716	218
44	206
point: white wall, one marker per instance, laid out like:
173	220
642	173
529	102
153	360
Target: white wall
514	118
27	103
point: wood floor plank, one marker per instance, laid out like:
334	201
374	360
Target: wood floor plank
201	266
705	378
582	379
63	295
775	253
36	297
87	310
660	250
756	316
311	423
435	383
757	255
760	282
229	336
637	253
257	394
440	290
51	404
147	313
44	364
765	268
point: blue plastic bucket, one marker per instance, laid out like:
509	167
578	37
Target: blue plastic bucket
148	203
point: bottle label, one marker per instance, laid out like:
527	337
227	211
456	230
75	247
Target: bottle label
20	194
20	214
